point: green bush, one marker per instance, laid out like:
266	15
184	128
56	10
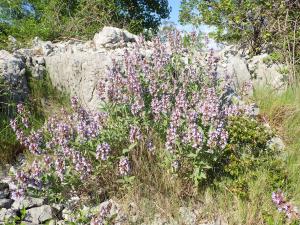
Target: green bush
60	19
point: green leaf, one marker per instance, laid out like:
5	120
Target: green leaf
192	155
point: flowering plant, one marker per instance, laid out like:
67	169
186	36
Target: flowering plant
166	101
171	98
284	206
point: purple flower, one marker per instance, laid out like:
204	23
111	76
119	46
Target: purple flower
283	206
103	151
194	136
217	137
22	178
124	166
20	108
17	194
171	138
74	102
137	106
60	168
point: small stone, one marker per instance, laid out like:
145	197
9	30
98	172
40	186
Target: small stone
159	220
12	170
39	214
188	216
58	207
276	143
67	214
115	210
3	186
27	223
6	203
6	214
4	193
28	202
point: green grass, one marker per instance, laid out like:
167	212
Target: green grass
44	99
282	111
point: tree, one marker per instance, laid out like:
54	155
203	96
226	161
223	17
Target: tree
254	23
272	25
52	19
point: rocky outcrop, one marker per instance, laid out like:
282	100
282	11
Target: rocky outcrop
39	215
12	73
76	67
113	37
244	68
37	210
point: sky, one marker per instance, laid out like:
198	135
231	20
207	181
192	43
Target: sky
175	4
174	17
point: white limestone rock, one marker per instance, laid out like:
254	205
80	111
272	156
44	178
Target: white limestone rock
28	202
39	215
109	36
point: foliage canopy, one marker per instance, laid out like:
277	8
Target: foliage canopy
257	23
52	19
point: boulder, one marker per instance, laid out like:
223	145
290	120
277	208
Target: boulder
28	202
5	203
78	72
6	214
266	74
243	68
12	72
111	35
39	215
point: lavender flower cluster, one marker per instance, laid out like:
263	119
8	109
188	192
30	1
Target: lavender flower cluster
170	87
58	144
284	206
166	93
103	216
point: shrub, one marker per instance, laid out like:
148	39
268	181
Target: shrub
58	19
164	109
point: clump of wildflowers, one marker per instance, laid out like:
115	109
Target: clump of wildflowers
58	143
186	104
284	206
124	166
166	96
103	151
